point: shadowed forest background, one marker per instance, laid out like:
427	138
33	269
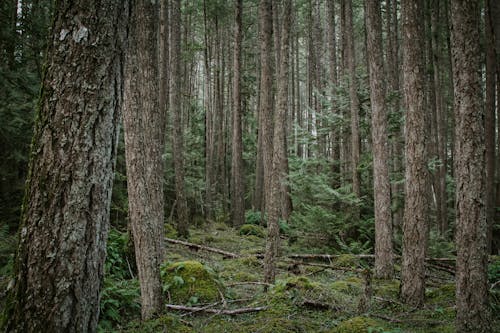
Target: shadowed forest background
250	166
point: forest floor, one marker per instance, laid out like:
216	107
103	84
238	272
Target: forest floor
332	295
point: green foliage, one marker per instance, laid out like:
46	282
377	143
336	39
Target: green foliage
190	282
255	217
494	278
440	246
120	256
119	302
251	229
358	325
165	323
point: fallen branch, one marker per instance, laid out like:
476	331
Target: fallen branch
247	283
328	256
215	311
203	247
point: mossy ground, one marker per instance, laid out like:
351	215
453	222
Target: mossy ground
303	299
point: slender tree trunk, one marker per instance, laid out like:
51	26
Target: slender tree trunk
237	180
382	188
177	121
354	106
415	227
266	94
144	125
471	272
65	218
278	176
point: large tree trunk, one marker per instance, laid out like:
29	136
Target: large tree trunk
177	121
237	180
489	121
354	104
278	176
415	224
382	187
471	273
144	126
65	219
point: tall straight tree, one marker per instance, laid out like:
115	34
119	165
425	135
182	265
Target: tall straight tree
382	187
471	272
237	177
354	103
144	126
65	218
265	149
278	177
177	123
415	221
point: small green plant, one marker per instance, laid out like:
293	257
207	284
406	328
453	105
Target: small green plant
119	302
255	217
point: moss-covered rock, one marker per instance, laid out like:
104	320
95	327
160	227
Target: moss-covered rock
347	260
190	281
296	282
251	229
357	325
386	288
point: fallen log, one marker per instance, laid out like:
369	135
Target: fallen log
203	247
215	311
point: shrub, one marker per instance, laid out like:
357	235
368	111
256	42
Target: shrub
251	229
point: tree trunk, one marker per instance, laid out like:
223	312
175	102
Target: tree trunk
144	126
278	177
471	272
354	106
65	219
177	121
415	224
237	180
382	187
489	122
266	94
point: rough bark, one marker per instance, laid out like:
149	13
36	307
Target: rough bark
382	188
415	221
278	177
237	180
177	121
471	277
144	128
266	96
489	122
354	105
65	219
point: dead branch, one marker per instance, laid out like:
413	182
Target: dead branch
215	311
248	282
203	247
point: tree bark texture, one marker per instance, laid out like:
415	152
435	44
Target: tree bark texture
177	121
354	106
237	179
144	126
416	211
266	94
382	187
278	176
65	219
471	225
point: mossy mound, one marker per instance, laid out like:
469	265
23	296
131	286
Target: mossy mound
347	260
190	282
357	325
296	282
170	231
445	293
387	288
251	229
351	285
166	323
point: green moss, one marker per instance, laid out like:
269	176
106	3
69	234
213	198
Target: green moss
167	323
445	293
190	281
251	229
386	288
170	231
296	282
351	285
347	260
356	325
